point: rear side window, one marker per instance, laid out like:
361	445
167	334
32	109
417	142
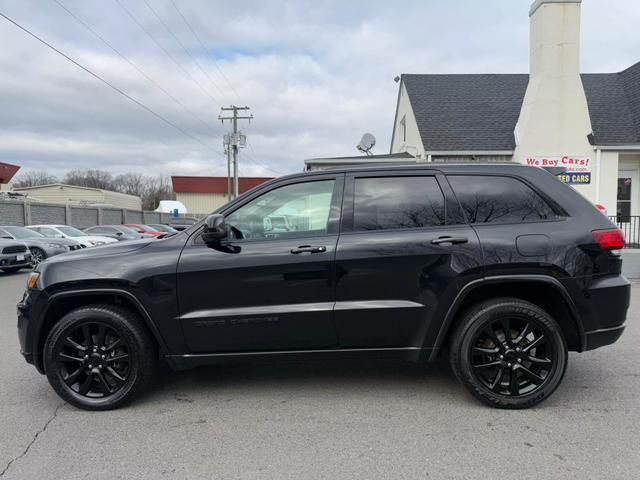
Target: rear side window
489	199
383	203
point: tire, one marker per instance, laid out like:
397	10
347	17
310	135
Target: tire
518	371
11	269
37	255
99	357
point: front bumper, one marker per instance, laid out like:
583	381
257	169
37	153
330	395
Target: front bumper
11	260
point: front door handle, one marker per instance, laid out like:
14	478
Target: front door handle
447	240
308	249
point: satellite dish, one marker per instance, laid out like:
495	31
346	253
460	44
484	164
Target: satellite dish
367	142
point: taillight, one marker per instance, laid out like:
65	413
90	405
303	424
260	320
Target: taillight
610	239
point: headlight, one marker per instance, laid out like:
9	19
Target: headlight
54	245
33	279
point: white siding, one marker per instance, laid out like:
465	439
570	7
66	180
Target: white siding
202	203
406	136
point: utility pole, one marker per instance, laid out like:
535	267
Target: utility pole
236	140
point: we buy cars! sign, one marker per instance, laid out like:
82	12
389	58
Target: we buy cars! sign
578	168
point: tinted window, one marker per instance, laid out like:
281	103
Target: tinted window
397	202
297	209
487	199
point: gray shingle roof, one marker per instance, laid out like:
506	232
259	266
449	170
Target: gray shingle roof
480	111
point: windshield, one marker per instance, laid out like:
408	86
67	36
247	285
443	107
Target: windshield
127	230
21	233
71	232
163	228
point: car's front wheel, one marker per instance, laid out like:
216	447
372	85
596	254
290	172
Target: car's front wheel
99	357
509	353
37	256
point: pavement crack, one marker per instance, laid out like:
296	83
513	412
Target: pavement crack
33	440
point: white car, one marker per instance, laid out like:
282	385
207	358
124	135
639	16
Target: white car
72	233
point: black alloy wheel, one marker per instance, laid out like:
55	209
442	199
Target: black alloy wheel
98	357
37	256
509	353
512	356
93	360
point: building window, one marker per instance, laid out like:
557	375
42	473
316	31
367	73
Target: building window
403	128
623	210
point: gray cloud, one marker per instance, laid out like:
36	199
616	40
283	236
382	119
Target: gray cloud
317	74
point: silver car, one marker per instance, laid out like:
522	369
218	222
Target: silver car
13	256
41	247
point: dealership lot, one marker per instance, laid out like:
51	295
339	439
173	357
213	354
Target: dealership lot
322	420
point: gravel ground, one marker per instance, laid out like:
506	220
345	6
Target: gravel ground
322	420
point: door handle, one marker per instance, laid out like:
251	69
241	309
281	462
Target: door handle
449	240
308	249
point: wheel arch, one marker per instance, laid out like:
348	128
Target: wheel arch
61	303
547	292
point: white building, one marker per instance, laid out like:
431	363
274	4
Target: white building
588	123
82	196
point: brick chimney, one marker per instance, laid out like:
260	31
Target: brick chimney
554	117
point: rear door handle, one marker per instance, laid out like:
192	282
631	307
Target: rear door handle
449	240
308	249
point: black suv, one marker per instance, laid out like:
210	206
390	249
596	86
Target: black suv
502	265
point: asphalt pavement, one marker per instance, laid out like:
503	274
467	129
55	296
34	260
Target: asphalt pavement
323	420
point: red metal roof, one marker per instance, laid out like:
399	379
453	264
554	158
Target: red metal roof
7	171
213	184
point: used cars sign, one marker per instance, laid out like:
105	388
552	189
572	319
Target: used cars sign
578	168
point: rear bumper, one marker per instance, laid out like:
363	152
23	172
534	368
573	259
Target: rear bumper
606	311
602	337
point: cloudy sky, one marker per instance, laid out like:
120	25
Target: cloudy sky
317	74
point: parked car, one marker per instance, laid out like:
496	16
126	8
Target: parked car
40	246
13	256
117	232
503	264
72	233
146	229
162	228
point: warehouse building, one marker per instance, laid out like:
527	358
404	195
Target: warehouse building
81	196
554	116
202	195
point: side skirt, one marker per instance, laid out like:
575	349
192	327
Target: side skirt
184	362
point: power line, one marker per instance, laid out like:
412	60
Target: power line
195	60
211	59
260	164
110	85
138	69
137	22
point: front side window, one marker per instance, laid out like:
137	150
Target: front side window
291	210
382	203
492	199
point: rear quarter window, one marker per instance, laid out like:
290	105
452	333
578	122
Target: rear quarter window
496	199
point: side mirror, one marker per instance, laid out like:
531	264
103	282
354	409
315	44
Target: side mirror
119	234
214	229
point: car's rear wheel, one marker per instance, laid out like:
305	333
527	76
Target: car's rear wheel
37	255
509	353
99	357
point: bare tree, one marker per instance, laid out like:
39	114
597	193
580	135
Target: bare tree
156	189
88	177
33	179
131	184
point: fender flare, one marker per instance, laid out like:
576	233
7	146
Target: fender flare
141	310
469	287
